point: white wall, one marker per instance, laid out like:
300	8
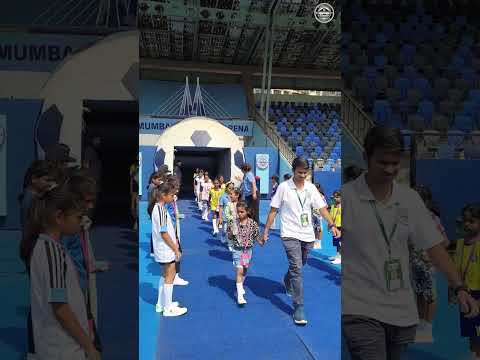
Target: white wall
180	135
92	74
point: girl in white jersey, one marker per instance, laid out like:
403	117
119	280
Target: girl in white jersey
166	249
205	187
59	315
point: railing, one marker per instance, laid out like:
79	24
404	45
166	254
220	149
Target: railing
354	120
275	138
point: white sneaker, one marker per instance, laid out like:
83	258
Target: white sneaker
331	258
159	308
337	261
241	300
179	281
174	311
424	333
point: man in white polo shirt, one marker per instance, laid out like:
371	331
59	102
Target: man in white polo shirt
296	198
379	218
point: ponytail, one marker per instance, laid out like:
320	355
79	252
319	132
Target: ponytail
40	217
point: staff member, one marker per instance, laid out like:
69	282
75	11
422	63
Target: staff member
296	198
249	191
379	217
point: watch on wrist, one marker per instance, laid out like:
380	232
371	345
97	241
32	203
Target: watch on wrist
461	288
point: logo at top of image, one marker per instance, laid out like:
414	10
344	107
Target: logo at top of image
262	162
324	13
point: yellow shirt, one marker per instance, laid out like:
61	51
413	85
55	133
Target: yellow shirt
468	263
215	198
336	214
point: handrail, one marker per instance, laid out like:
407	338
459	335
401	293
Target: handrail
275	138
354	120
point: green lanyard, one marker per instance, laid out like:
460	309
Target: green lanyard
300	201
382	227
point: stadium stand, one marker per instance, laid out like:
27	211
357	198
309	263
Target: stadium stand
417	72
311	129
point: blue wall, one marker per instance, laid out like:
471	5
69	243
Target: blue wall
329	180
21	118
454	183
231	97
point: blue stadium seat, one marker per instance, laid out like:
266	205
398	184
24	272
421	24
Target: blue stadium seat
382	111
402	84
463	123
299	151
425	110
446	151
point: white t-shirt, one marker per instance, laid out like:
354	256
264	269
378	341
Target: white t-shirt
364	251
287	201
162	222
206	186
54	279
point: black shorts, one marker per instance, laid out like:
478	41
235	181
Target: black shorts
166	263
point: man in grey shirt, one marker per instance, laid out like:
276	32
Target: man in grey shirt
379	217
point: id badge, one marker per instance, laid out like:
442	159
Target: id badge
304	219
393	275
245	259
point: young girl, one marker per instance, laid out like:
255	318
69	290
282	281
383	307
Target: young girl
423	275
205	186
166	250
467	259
214	199
222	222
59	315
243	242
231	215
336	214
198	192
39	178
317	222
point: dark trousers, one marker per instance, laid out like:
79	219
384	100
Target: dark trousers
297	254
370	339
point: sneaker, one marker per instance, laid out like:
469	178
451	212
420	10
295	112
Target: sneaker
337	261
299	316
288	290
159	308
241	300
424	334
174	311
331	258
179	281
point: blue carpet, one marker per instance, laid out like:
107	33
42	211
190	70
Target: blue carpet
215	328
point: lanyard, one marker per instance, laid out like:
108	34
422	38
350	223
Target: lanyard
300	201
382	227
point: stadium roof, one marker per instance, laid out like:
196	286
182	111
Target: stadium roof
233	31
70	16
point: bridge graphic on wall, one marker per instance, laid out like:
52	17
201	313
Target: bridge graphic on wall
181	105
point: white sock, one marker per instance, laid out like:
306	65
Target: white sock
214	223
168	293
240	290
160	291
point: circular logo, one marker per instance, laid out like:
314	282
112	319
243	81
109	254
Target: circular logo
324	13
262	162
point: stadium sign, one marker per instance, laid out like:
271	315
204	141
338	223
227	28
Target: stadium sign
39	52
148	125
324	13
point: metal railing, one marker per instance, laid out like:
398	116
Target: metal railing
275	138
354	120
